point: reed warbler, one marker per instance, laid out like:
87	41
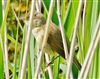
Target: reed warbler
54	41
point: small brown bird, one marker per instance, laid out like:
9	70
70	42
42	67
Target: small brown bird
54	41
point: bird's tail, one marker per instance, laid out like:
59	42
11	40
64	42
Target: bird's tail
76	62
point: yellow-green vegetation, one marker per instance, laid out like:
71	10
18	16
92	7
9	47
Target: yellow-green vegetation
14	14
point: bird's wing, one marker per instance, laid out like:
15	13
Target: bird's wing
55	40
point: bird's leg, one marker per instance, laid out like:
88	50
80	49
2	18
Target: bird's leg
52	60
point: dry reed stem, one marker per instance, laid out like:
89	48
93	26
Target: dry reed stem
5	5
38	8
73	40
45	38
27	41
90	53
62	29
49	67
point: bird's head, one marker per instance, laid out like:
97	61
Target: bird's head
38	20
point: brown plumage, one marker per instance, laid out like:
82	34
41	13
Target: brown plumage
54	41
